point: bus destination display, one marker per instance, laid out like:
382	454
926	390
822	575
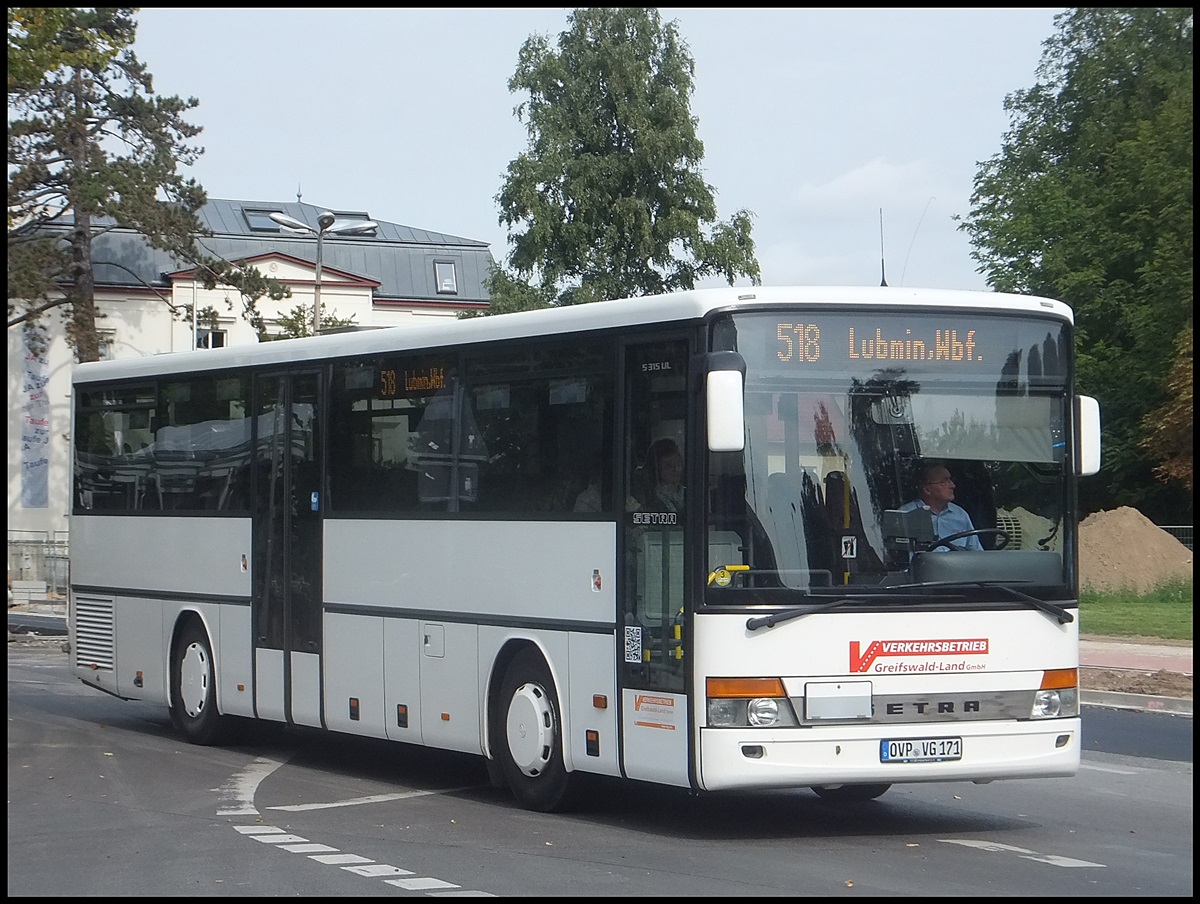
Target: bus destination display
915	342
406	382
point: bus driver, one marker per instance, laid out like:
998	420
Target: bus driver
935	494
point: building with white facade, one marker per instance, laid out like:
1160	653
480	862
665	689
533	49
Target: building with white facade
391	276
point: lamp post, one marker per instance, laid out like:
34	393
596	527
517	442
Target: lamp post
326	225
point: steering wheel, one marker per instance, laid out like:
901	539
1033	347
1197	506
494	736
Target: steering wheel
1002	538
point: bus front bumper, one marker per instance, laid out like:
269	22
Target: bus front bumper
738	758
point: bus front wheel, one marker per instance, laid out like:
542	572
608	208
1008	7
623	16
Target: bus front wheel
194	688
529	730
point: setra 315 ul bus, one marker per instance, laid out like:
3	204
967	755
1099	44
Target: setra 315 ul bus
453	535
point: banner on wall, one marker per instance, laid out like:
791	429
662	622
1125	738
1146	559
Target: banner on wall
35	422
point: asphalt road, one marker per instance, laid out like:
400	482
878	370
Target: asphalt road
105	799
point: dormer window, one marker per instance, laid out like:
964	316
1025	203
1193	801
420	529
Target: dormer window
445	278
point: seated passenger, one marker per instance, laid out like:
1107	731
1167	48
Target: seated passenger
667	463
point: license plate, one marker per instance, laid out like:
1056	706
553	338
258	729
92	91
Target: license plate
920	750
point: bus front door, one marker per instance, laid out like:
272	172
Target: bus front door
287	547
654	706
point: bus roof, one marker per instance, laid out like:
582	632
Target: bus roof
677	307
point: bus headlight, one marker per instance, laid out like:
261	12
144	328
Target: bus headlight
1057	703
726	713
747	703
762	711
1058	697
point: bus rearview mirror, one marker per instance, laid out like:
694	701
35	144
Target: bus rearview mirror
725	411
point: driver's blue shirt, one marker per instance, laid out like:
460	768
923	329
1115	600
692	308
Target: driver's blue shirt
952	520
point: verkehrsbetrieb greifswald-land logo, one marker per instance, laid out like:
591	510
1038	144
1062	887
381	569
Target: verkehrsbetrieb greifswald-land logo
862	660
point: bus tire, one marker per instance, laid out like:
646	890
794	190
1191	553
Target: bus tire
193	704
851	793
528	729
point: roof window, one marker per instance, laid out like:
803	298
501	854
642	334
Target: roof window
445	278
260	220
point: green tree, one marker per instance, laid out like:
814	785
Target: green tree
1090	200
1170	426
91	147
608	200
298	322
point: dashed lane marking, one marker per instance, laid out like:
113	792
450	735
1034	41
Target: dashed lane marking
353	863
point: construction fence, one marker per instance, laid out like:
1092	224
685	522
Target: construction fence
39	566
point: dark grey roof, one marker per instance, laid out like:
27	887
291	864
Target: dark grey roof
400	257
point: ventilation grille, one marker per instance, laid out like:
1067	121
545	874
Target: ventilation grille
1012	527
93	646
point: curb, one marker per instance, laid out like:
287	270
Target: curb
1175	706
27	623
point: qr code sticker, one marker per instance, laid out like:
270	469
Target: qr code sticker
633	643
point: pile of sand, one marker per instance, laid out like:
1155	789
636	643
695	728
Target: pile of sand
1122	549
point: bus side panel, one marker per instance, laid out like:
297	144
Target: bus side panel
235	677
142	649
354	674
485	570
656	736
306	688
170	555
592	674
474	573
141	563
450	692
402	679
268	686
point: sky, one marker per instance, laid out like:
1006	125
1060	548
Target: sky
852	135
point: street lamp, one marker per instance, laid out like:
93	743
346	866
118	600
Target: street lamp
326	225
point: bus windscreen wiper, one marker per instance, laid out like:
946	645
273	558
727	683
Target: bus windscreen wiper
770	621
1061	615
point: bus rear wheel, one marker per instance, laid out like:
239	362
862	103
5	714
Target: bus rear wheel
851	793
528	729
194	688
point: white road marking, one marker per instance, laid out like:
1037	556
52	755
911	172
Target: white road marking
997	847
339	859
1109	769
241	787
238	795
420	884
373	799
281	838
361	866
377	869
1068	862
462	893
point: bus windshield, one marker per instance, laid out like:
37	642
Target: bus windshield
872	437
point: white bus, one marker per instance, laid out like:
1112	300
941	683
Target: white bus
448	535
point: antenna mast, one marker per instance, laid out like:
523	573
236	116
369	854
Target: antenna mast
882	271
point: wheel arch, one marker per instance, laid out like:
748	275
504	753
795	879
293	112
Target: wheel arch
508	651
